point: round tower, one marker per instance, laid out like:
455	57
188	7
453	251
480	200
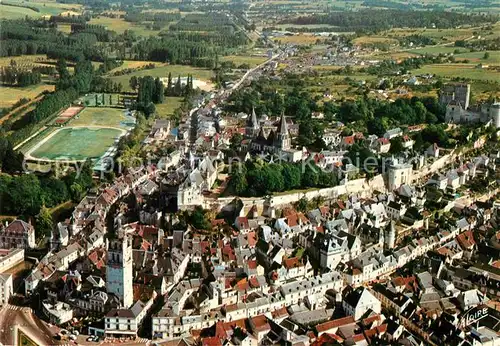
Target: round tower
495	114
390	236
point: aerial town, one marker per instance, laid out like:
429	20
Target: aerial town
211	173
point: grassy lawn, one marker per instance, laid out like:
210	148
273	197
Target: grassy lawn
460	71
100	116
47	8
441	35
21	60
242	59
12	12
11	95
77	143
135	64
374	39
478	57
62	27
435	50
391	55
168	106
301	39
306	26
120	25
162	71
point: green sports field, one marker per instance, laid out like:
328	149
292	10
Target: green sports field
77	143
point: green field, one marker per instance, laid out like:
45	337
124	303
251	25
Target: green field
460	71
435	50
89	135
120	25
22	60
176	70
300	39
98	116
242	59
135	64
46	8
12	12
76	143
169	105
364	40
478	57
10	95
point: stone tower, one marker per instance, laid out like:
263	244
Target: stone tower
390	236
455	92
495	114
119	276
282	140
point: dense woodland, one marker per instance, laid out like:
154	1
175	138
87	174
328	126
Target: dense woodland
16	76
30	37
374	21
258	178
27	194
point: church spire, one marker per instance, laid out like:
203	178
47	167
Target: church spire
253	126
282	140
283	127
255	123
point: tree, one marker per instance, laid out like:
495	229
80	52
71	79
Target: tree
62	69
235	142
238	179
147	89
159	91
169	84
44	221
486	56
178	87
310	177
302	205
291	176
84	73
396	145
76	191
25	195
134	83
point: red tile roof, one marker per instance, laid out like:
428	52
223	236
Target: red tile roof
348	140
358	337
254	283
252	239
212	341
252	264
260	324
218	222
282	312
293	262
323	327
296	218
242	222
19	226
466	239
